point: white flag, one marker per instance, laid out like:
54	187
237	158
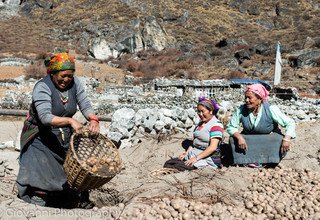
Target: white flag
277	70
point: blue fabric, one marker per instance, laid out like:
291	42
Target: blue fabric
262	148
265	125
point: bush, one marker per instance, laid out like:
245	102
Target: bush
235	75
215	52
132	65
193	74
41	56
138	74
317	62
240	47
35	71
152	64
247	64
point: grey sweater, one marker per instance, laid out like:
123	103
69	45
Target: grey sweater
41	97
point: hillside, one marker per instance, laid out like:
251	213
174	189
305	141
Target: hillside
205	36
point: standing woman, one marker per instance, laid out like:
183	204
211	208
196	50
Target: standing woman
260	141
207	136
46	134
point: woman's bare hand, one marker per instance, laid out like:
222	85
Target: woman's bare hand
94	127
191	161
182	156
242	143
77	126
285	146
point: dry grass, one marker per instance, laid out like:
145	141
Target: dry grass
167	63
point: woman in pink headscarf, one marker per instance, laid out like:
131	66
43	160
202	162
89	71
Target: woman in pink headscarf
261	140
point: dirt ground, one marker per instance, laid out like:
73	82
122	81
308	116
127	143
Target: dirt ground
140	183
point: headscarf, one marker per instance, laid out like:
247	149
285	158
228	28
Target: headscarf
209	104
59	62
260	90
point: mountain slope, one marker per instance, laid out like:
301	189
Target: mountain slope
200	28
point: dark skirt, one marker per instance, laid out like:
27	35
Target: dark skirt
262	148
41	165
176	163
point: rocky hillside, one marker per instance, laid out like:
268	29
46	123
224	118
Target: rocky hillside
179	39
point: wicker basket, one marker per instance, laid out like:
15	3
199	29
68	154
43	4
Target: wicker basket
92	160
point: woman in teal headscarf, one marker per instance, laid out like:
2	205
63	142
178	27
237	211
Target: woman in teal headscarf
46	134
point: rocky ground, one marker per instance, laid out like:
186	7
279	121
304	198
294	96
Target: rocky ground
142	191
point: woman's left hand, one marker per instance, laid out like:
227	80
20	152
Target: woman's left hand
191	161
94	126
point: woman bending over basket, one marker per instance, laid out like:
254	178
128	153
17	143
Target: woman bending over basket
46	134
261	141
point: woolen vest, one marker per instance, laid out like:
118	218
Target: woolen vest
266	124
57	107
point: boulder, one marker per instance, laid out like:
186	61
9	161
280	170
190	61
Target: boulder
302	58
130	39
124	117
101	49
12	3
154	34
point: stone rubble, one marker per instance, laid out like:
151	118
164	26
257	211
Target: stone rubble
136	111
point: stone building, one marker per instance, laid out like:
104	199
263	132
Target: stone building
197	88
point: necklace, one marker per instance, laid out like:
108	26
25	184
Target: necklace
256	110
64	98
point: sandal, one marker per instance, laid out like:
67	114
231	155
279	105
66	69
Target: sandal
254	165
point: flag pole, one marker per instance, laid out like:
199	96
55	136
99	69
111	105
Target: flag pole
278	65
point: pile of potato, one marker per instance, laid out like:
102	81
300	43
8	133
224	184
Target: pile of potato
179	208
107	163
274	194
103	165
285	193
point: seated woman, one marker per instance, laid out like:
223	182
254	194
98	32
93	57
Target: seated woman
207	136
260	141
